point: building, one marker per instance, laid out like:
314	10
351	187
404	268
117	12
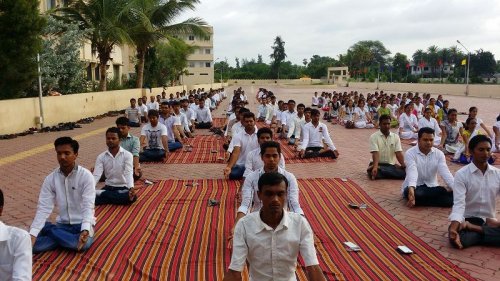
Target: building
200	68
337	75
417	70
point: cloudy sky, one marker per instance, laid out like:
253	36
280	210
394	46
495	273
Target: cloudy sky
245	28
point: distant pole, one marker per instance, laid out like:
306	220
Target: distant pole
467	70
40	95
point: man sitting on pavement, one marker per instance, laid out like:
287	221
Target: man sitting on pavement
423	163
476	189
254	158
116	164
130	143
72	189
313	135
175	133
288	233
15	251
295	123
385	147
154	141
133	113
203	116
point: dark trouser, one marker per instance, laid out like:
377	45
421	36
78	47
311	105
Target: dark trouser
114	195
152	155
203	125
136	177
66	236
134	124
436	196
312	152
291	140
489	237
237	172
387	171
174	145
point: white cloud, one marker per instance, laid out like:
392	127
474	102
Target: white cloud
246	28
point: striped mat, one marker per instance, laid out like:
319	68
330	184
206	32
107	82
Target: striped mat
291	157
171	233
220	122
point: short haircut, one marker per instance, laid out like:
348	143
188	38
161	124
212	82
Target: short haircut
307	109
269	144
425	130
164	103
122	121
314	112
247	115
132	99
270	179
113	130
153	112
243	110
452	111
174	103
427	109
498	117
291	101
476	140
67	140
467	122
384	117
472	108
407	105
301	105
1	199
264	130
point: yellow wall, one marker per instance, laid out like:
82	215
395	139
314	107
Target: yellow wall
20	114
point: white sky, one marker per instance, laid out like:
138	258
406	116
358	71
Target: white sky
245	28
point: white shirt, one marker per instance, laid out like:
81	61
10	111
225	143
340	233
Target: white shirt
153	105
170	122
15	253
408	123
193	106
315	100
361	114
154	134
250	202
133	114
118	170
419	108
474	194
295	126
272	253
246	143
254	162
287	115
185	123
314	136
190	114
203	115
423	169
432	123
73	195
144	110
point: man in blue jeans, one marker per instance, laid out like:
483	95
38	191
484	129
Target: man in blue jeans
72	189
154	140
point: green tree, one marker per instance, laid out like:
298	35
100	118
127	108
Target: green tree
153	20
20	29
108	24
399	67
60	57
318	65
237	63
278	55
259	58
482	63
433	58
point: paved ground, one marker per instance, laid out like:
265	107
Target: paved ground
25	161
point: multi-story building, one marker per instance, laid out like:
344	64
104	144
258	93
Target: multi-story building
201	62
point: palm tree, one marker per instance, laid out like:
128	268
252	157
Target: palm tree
106	21
152	20
433	58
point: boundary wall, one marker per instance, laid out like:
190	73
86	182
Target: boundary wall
18	115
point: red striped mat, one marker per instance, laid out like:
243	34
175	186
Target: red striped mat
170	233
220	122
291	157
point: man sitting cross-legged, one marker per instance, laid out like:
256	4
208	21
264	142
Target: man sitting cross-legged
243	142
203	116
385	147
271	239
295	123
154	141
116	164
408	123
130	143
133	113
15	251
175	133
254	159
313	135
476	188
423	163
72	189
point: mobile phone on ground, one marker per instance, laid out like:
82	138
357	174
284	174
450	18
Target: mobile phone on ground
404	250
353	247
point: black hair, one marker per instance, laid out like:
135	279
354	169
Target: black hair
132	99
452	110
472	108
264	130
122	121
314	112
425	130
248	115
269	144
243	110
498	117
174	103
164	103
467	122
477	139
67	140
1	199
307	109
153	112
301	105
290	101
384	117
113	130
427	109
270	179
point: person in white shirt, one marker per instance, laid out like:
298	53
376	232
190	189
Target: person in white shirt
315	100
295	123
408	124
133	113
116	164
243	143
270	240
423	163
154	140
254	158
185	122
175	132
480	124
476	189
190	114
72	189
15	251
262	110
203	116
153	104
143	109
130	143
286	116
417	106
428	121
496	138
362	117
385	148
314	134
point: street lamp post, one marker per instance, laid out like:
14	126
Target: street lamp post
467	71
213	78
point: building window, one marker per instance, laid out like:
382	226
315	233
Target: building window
51	4
89	72
191	64
191	38
207	38
207	64
191	74
207	51
203	73
96	73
